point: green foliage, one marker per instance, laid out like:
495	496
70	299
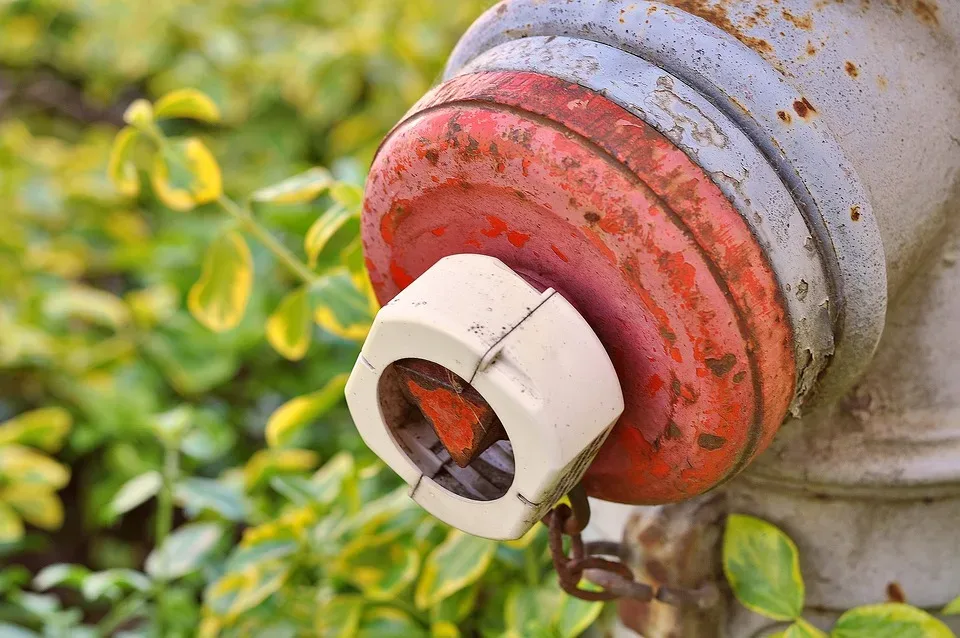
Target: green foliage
762	566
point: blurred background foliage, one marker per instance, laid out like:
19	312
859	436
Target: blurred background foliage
138	493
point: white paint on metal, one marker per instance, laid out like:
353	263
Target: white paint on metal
551	384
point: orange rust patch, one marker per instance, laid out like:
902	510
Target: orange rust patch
804	109
882	83
804	21
851	69
717	14
811	50
855	213
786	117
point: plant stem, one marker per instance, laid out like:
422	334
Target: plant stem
280	251
171	469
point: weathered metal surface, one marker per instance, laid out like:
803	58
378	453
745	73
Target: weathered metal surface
740	82
576	192
716	144
464	422
677	544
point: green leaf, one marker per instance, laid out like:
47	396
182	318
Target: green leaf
120	167
526	606
186	103
324	228
184	550
339	617
574	616
219	299
263	551
171	425
44	428
800	629
20	464
136	492
456	563
186	174
455	607
444	630
288	328
15	631
889	620
328	481
11	527
60	575
94	306
113	583
199	494
389	622
381	570
952	608
294	415
763	568
299	189
340	307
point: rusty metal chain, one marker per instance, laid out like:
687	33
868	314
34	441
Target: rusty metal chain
614	577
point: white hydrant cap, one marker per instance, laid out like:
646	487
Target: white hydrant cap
532	357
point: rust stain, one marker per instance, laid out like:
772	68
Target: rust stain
811	50
804	21
855	213
591	218
882	83
711	441
717	14
723	365
895	593
786	117
804	109
851	69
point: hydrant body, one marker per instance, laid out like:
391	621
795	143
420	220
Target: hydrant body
728	192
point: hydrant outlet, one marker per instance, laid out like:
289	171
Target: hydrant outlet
487	396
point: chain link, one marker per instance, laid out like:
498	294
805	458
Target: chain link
615	579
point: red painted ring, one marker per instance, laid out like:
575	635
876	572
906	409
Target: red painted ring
577	193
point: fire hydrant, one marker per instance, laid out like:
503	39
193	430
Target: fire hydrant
633	244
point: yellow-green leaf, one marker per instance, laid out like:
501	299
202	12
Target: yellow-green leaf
120	167
763	567
266	463
527	607
381	570
574	616
952	608
186	103
139	114
339	617
294	415
800	629
456	563
153	305
136	492
219	299
87	304
260	582
444	630
389	622
288	328
340	307
455	607
36	504
11	527
299	189
44	428
186	174
20	464
889	620
324	228
347	195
